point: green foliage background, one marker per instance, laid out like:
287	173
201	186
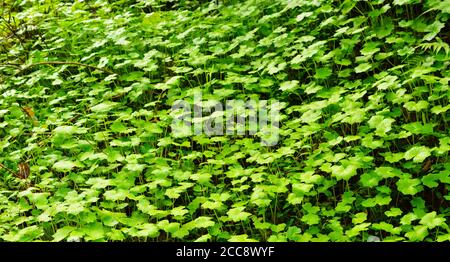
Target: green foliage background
364	136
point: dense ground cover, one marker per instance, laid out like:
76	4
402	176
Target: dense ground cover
86	90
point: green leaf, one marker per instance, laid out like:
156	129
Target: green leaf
344	173
381	124
94	231
393	157
62	233
356	230
359	218
64	165
361	68
179	211
289	85
311	219
388	172
311	116
241	238
201	222
431	220
417	128
301	188
416	106
237	214
181	233
148	230
403	2
65	130
409	186
417	153
323	73
98	182
418	233
408	218
25	234
393	212
370	179
103	107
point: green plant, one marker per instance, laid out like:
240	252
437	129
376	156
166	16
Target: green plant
87	89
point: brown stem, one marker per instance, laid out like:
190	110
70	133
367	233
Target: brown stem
12	65
7	169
